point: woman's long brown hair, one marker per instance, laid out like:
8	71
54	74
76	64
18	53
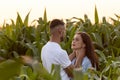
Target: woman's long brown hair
89	52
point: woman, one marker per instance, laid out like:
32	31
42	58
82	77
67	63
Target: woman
83	52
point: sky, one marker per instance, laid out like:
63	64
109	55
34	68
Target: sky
62	9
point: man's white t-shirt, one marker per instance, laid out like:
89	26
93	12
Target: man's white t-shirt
52	53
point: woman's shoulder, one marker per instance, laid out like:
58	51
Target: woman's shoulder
86	60
86	64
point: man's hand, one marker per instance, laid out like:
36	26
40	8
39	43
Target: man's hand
72	55
69	70
79	57
27	59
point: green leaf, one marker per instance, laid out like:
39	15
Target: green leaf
56	72
9	69
96	16
97	39
117	16
104	20
45	16
19	21
12	22
26	20
79	75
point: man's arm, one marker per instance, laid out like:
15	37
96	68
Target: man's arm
79	58
72	56
69	70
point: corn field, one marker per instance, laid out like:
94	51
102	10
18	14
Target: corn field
19	38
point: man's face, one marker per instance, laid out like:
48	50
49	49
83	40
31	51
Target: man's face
63	33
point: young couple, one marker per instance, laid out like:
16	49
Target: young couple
83	51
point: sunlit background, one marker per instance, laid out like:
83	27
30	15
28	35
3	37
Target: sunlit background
57	8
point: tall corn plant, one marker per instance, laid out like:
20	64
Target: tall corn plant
42	33
10	38
11	47
21	39
105	38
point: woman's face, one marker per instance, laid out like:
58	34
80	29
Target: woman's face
77	42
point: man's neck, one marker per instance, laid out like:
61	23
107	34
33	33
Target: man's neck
54	38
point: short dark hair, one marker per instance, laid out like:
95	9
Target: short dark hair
56	22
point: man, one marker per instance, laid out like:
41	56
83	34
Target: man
52	53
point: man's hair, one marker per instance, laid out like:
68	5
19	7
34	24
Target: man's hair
56	22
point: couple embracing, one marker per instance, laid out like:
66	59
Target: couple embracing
83	54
